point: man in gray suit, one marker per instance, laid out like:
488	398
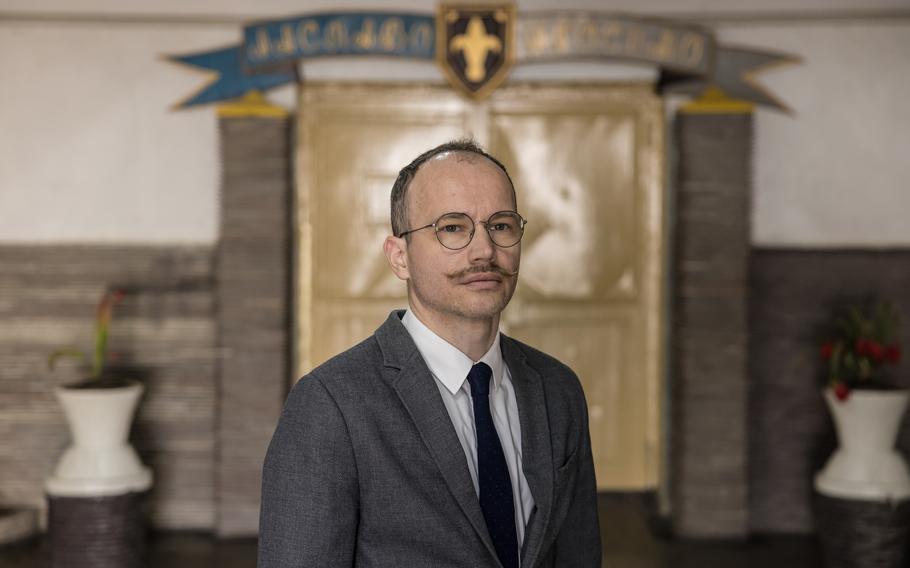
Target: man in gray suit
437	442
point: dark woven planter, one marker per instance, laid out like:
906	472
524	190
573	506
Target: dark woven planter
96	532
862	534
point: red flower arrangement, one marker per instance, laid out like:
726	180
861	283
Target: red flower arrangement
864	341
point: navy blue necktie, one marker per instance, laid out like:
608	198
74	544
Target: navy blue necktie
496	501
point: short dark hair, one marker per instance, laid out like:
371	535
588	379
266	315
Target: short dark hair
407	173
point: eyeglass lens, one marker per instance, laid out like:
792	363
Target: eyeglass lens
455	230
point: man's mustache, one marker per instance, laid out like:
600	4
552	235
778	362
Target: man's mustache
483	268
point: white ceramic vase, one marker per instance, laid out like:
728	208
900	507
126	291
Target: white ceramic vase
100	460
866	465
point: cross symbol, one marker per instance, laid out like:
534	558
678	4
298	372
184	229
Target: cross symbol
475	44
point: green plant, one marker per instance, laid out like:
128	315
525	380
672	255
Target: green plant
863	341
95	377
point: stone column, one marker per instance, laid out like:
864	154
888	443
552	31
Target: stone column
710	329
253	290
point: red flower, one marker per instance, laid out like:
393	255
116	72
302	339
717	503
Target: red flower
893	354
869	348
875	350
827	349
841	391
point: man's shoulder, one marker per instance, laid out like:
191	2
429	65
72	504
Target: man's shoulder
362	370
564	393
362	361
365	354
548	366
534	356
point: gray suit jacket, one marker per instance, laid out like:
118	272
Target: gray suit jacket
365	468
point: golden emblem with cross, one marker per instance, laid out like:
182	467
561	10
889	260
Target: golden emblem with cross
474	46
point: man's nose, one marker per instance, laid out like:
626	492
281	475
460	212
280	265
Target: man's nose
482	246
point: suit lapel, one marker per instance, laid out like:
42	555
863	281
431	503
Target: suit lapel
536	451
418	392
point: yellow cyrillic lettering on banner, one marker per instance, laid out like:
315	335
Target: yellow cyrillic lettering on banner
260	48
285	44
308	35
335	37
561	36
588	35
691	49
613	40
421	37
392	35
663	48
366	37
536	40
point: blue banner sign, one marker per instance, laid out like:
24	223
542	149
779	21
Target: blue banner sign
687	55
367	33
230	80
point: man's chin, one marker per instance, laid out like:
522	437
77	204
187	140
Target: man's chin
485	308
465	303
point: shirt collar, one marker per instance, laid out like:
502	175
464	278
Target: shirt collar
448	364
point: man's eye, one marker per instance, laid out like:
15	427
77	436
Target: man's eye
451	228
501	227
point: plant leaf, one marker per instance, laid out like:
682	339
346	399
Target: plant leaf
61	353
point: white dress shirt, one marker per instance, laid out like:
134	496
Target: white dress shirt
450	368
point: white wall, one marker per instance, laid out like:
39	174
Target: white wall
837	172
88	148
89	151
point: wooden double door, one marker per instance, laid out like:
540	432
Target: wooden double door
587	162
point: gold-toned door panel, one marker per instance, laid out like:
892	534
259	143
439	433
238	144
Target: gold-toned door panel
574	172
596	348
587	164
354	139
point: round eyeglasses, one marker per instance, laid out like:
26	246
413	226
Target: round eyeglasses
456	230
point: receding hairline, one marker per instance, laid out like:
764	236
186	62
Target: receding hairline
465	156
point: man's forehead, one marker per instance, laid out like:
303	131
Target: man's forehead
455	160
428	189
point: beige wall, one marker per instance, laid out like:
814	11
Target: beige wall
89	151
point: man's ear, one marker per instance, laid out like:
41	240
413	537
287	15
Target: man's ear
396	252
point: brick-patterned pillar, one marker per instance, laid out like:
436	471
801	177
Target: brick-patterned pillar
252	280
710	379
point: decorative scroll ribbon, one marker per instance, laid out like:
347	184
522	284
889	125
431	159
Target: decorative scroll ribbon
687	55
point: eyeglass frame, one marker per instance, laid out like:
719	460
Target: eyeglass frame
486	225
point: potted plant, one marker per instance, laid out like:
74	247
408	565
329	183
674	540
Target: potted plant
862	511
99	411
864	343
